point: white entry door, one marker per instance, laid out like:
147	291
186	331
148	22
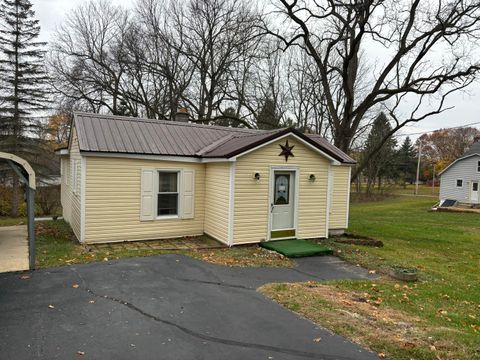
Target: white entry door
474	191
283	200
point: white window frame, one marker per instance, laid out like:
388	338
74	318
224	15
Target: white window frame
179	193
456	183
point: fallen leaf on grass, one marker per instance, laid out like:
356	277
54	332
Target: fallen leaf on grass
382	355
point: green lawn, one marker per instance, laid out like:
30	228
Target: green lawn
444	304
9	221
394	189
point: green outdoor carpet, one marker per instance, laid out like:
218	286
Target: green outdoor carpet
296	248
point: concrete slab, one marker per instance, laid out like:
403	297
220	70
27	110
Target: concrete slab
13	248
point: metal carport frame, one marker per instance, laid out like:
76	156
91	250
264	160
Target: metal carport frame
26	174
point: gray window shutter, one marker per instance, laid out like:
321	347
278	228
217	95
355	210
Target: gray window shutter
147	211
188	194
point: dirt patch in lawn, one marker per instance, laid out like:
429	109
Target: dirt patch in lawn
244	256
364	320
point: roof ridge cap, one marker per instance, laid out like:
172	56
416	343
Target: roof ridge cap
166	122
215	144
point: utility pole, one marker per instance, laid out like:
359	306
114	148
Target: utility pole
433	180
418	167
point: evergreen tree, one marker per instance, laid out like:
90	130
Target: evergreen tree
383	163
407	161
268	118
228	118
22	83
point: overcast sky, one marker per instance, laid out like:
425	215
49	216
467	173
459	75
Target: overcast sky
467	106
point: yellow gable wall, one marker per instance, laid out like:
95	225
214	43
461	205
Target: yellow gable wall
112	198
251	197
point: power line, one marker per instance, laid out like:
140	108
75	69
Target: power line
426	132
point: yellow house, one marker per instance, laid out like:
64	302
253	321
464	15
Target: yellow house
126	179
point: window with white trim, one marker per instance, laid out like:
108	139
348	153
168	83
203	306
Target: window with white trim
168	194
459	183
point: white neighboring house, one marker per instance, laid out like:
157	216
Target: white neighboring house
460	180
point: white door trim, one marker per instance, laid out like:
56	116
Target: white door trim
296	170
471	198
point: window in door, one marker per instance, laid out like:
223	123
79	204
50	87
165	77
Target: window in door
475	186
282	189
167	197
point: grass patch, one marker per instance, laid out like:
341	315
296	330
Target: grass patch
57	246
11	221
443	247
362	318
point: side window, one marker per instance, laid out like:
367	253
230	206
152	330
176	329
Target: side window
478	166
459	183
167	197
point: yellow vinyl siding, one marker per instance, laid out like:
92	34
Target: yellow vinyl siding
339	197
72	201
251	196
112	201
217	193
64	189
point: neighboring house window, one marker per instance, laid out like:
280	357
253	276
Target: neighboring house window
459	183
167	197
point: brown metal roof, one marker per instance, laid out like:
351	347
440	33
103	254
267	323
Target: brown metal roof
128	135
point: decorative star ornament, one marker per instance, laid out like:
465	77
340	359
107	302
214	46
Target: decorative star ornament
286	151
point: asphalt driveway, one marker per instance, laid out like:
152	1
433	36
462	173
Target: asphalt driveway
164	307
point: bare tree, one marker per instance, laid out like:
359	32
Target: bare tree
427	46
213	35
87	59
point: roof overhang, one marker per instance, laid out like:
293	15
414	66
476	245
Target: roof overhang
176	158
459	159
62	151
284	135
305	140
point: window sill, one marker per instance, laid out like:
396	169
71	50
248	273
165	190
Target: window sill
167	217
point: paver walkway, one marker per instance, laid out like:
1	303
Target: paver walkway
13	248
165	307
